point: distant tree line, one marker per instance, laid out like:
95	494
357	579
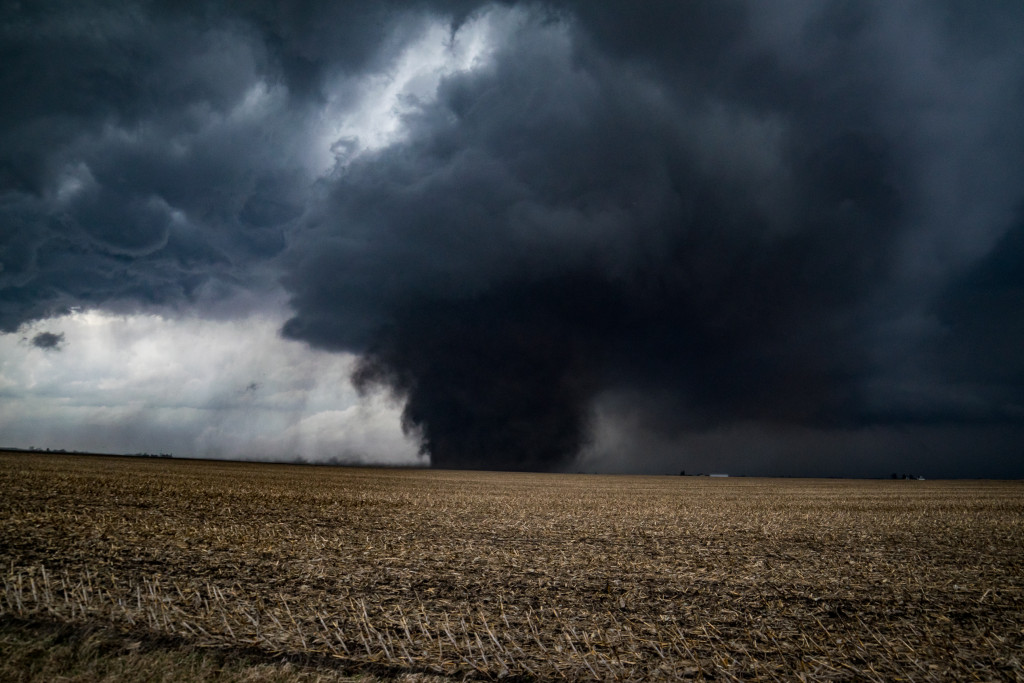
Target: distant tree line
36	449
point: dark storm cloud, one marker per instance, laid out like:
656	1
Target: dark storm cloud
982	314
803	215
724	226
148	157
155	154
48	341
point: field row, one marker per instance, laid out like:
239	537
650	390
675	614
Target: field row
545	576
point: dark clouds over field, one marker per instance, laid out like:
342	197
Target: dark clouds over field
779	238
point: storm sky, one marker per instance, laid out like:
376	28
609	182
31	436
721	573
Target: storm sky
760	238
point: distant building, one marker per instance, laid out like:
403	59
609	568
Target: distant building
718	475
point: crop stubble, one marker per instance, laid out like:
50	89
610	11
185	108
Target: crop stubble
547	576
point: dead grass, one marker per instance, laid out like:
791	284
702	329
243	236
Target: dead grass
43	652
535	576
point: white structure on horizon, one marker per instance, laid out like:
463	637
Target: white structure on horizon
718	475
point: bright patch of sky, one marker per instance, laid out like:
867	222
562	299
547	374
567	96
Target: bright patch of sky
367	115
193	387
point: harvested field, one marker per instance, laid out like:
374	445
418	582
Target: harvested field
419	574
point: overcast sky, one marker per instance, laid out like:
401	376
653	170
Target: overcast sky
761	238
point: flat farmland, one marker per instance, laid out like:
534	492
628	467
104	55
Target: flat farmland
423	574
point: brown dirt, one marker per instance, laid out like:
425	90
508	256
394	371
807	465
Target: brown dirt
547	576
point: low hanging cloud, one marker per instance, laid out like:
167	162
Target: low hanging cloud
553	233
583	219
48	341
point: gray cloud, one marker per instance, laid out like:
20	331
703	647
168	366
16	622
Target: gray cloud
800	216
151	159
716	226
48	341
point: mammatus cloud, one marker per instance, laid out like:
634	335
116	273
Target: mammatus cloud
551	230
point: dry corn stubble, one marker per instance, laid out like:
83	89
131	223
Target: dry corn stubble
548	576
